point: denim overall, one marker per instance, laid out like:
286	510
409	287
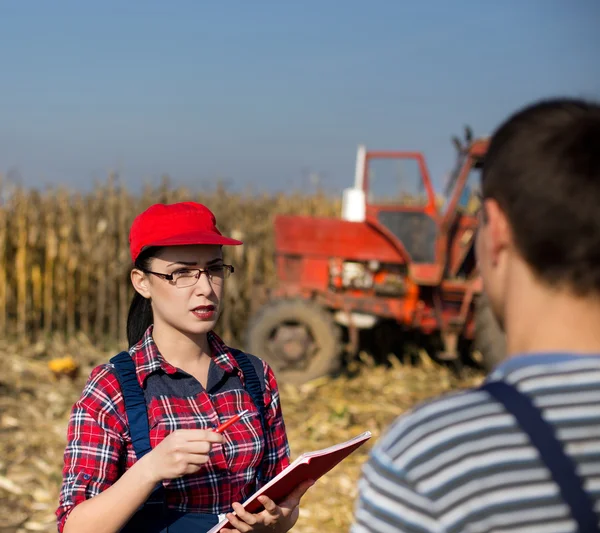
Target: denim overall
542	436
153	516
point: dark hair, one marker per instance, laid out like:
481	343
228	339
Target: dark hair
140	315
543	169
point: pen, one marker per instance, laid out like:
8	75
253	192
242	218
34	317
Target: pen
228	423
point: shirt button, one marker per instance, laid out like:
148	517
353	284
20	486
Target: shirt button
86	476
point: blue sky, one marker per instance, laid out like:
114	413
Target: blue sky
262	92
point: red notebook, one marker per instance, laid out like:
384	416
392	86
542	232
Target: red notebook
310	465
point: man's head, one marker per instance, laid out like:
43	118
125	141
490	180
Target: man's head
541	193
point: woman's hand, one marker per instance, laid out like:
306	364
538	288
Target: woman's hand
182	452
274	518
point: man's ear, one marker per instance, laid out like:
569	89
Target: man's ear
140	282
498	230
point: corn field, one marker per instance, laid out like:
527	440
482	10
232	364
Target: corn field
65	289
65	263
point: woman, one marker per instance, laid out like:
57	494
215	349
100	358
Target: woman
142	454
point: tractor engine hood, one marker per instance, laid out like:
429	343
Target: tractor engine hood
332	237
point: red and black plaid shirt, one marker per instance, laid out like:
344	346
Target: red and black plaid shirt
99	443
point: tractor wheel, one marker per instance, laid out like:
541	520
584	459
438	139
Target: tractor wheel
297	338
490	341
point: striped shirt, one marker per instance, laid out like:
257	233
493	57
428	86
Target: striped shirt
460	463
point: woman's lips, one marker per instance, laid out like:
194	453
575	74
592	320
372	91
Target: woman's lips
204	312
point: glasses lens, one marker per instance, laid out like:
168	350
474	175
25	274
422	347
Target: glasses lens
185	280
216	275
218	272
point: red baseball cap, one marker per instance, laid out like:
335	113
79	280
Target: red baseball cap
175	224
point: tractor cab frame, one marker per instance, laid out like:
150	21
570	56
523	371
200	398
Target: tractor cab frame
400	258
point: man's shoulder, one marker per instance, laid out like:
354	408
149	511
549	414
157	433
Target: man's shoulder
434	425
471	421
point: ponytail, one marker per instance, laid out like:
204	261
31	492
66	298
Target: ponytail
139	318
140	315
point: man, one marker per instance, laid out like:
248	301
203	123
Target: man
481	460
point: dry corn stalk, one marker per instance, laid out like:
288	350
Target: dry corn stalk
64	257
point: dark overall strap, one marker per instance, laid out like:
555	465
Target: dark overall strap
135	403
252	382
543	438
135	407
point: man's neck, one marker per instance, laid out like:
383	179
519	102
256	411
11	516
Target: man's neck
539	320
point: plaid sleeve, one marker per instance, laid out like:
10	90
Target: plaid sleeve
95	442
277	454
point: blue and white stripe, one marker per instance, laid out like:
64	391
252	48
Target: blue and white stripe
460	463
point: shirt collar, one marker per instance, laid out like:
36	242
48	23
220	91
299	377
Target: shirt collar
148	358
522	360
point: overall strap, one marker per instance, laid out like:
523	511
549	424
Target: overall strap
137	414
543	438
135	403
252	382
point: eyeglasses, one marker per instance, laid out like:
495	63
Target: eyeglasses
186	277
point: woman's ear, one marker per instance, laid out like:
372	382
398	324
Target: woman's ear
140	281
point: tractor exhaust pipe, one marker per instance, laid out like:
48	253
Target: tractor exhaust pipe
359	172
353	199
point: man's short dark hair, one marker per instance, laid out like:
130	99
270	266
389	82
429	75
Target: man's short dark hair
543	169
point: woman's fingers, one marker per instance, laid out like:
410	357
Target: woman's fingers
196	459
192	469
243	521
270	505
238	524
190	435
244	515
201	447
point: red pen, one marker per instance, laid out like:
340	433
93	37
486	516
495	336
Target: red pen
232	420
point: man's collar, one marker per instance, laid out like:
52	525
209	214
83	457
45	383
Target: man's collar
519	361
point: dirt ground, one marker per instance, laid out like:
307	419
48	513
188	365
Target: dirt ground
35	400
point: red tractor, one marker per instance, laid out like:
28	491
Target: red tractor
398	260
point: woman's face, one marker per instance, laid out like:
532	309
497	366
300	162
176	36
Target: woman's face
195	308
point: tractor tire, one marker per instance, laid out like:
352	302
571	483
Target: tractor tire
490	340
312	331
